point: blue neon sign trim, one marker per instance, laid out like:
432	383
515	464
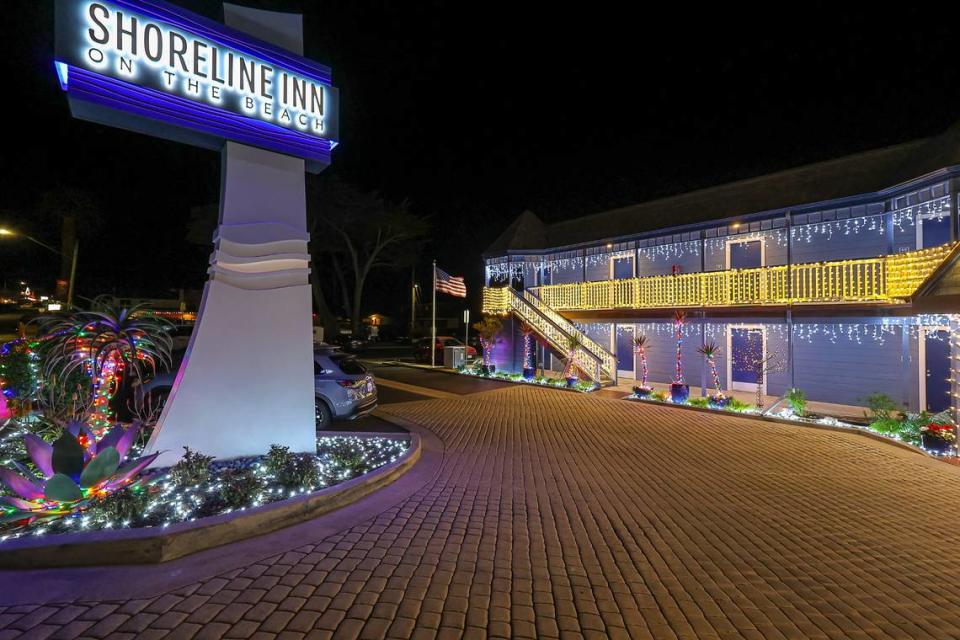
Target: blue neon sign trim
171	109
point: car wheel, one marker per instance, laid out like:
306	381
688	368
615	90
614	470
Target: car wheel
322	413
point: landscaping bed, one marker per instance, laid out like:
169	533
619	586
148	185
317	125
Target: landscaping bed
575	384
934	434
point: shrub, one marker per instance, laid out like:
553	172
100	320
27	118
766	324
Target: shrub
739	405
238	487
300	471
887	426
881	407
121	506
798	401
192	469
659	396
290	469
345	456
699	402
277	458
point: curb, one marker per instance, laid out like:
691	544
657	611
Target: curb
156	545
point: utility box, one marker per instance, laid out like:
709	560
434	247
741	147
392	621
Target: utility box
454	357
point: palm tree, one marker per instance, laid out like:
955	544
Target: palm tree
640	344
487	329
573	344
679	317
528	359
710	351
109	344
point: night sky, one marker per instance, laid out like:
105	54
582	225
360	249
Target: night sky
476	111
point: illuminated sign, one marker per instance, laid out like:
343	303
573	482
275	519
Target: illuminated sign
152	67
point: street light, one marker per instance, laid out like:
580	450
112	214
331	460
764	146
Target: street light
73	261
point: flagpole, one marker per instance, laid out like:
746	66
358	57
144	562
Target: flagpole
433	329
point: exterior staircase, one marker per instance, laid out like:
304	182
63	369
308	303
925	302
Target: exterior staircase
598	363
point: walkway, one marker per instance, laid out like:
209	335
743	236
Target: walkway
550	514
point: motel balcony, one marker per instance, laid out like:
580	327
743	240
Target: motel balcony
885	280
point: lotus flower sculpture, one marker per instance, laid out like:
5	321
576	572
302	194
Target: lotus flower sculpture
76	469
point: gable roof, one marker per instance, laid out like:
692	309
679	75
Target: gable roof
860	173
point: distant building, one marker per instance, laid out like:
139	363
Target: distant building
845	269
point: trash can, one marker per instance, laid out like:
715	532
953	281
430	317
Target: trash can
454	357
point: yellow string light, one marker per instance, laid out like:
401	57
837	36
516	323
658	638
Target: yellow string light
886	279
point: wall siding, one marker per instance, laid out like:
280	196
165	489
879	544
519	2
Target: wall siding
845	371
838	244
659	261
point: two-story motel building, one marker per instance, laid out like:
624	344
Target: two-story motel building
843	270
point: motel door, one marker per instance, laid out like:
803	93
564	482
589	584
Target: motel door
935	370
745	346
933	231
625	359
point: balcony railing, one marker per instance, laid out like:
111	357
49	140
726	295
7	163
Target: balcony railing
887	279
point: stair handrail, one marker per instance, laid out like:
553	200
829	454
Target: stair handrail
607	360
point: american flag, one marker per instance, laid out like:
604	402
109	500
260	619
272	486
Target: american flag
454	285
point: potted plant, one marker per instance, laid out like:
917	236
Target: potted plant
710	350
679	389
573	343
488	329
529	365
640	344
938	437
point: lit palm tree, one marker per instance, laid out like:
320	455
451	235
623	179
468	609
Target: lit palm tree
678	319
573	343
488	329
710	351
109	345
640	344
528	360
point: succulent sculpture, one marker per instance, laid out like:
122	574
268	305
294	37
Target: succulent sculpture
76	468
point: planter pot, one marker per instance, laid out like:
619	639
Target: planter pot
679	392
934	444
571	382
528	373
720	401
642	392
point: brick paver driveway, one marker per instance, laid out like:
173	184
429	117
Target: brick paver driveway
555	514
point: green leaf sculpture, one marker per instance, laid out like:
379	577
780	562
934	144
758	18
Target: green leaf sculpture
62	489
100	468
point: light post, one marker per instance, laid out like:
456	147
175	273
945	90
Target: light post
73	259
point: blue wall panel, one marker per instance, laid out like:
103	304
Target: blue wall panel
659	260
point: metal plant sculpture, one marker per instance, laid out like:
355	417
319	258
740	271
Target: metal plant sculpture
76	468
108	344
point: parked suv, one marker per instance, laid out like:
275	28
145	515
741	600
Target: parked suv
344	389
